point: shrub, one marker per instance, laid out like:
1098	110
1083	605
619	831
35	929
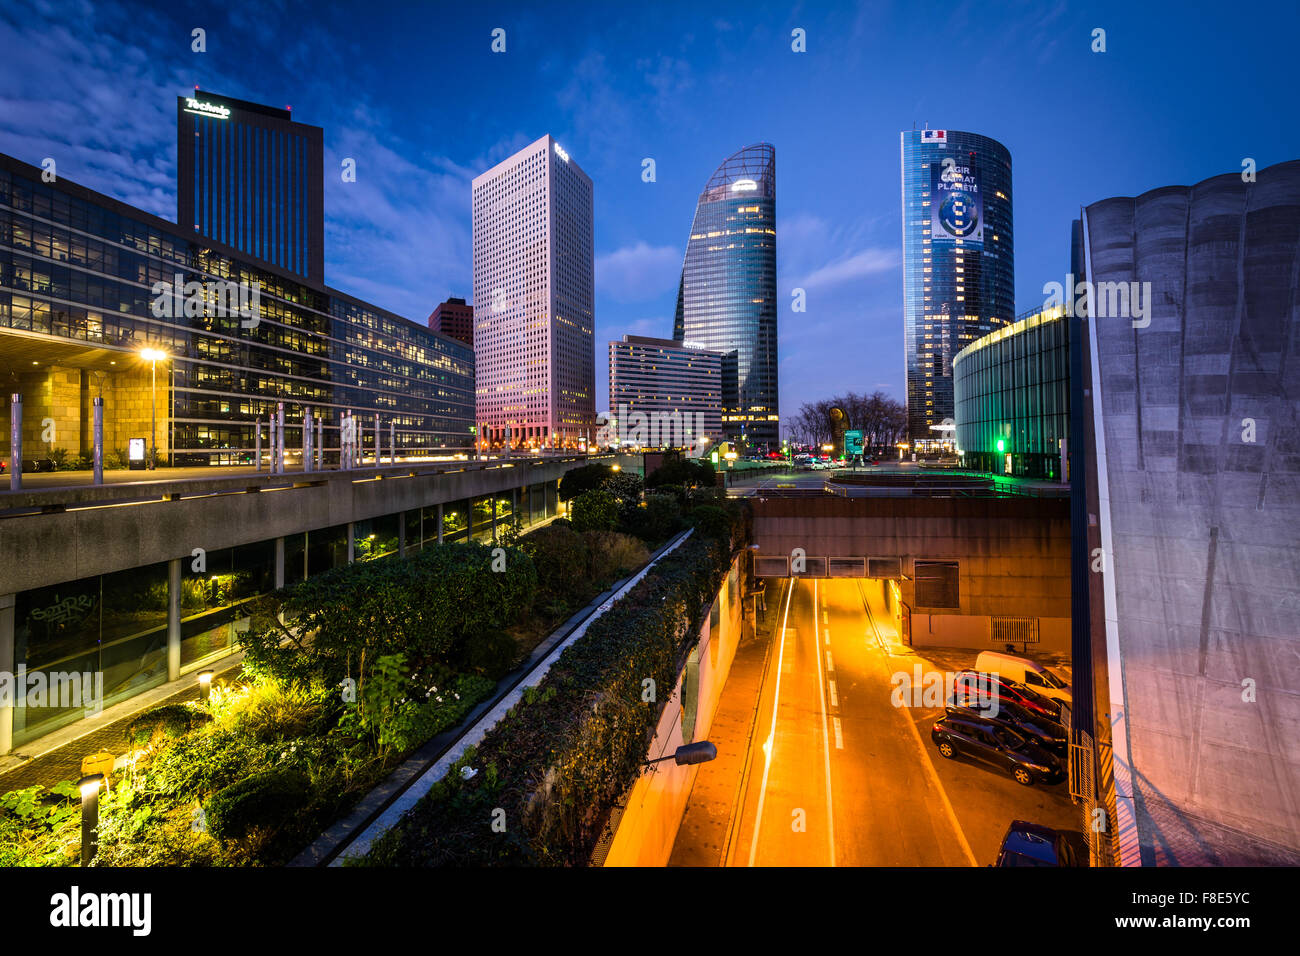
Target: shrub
712	522
167	722
656	519
207	760
560	556
626	488
594	511
586	478
491	653
613	555
683	471
263	801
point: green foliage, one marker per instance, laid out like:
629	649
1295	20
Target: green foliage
576	481
168	721
657	519
263	801
712	521
686	472
613	555
594	511
491	653
424	606
571	748
560	556
626	487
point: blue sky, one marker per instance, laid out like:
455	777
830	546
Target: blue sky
413	93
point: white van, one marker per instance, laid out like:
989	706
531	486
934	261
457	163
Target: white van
1032	675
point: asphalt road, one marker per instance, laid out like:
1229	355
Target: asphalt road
839	775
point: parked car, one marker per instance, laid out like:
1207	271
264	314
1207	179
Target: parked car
1024	671
983	684
1030	844
1048	734
1003	748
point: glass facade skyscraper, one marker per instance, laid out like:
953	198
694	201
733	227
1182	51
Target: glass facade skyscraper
726	301
251	178
958	261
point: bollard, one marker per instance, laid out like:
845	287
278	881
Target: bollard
98	439
15	442
89	786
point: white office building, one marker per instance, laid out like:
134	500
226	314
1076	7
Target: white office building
534	300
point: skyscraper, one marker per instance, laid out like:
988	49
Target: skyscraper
251	178
534	295
726	301
958	261
672	387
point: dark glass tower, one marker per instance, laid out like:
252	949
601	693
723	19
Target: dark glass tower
253	179
958	261
726	301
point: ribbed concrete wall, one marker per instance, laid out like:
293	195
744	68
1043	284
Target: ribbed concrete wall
1205	521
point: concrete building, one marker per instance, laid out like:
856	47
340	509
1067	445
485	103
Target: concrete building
251	178
1189	519
454	319
726	301
958	261
88	283
534	300
669	391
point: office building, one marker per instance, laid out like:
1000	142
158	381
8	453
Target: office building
958	262
454	319
726	300
88	283
534	300
251	178
670	391
1011	395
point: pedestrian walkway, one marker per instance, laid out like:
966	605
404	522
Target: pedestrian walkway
707	821
58	755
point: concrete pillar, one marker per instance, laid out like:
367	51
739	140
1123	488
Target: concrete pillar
97	453
392	443
440	524
174	619
379	442
320	443
15	442
7	666
279	434
257	444
306	439
352	542
279	563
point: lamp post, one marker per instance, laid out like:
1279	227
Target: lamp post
153	357
89	786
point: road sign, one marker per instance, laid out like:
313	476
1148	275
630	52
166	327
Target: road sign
853	442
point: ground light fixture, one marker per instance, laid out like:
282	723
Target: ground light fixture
688	754
205	684
89	786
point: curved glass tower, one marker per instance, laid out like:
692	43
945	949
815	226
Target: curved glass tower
958	261
726	301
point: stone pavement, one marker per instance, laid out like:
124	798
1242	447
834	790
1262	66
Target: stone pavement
707	821
57	756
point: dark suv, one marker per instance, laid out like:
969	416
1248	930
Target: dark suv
1048	734
1030	844
999	746
1001	688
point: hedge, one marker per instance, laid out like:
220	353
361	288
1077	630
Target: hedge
553	767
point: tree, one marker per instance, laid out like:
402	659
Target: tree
594	511
585	478
683	472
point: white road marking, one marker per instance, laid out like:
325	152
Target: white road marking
826	739
771	734
826	619
835	701
839	736
830	664
925	754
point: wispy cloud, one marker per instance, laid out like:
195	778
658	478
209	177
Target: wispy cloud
638	273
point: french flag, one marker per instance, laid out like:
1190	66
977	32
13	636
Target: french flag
934	136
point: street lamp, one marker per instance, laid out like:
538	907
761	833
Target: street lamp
153	357
688	754
89	786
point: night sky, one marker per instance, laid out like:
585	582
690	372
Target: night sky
413	93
